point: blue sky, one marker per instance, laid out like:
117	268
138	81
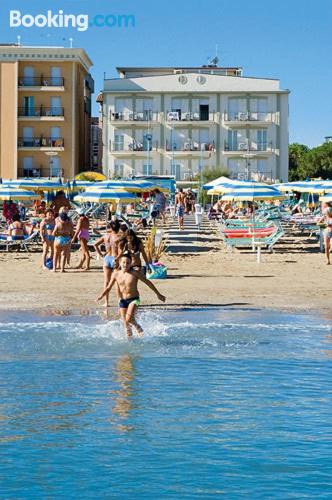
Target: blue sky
289	40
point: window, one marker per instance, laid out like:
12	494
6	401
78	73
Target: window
56	106
56	78
262	140
29	75
262	166
232	140
118	170
55	166
176	171
118	144
28	136
147	169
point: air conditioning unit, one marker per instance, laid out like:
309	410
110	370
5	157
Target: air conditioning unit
243	146
173	116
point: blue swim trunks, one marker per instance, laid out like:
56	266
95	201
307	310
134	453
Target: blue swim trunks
179	211
109	261
124	303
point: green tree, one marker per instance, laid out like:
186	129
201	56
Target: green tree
297	161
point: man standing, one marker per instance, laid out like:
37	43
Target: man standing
180	207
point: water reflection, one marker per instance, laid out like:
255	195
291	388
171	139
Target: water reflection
124	375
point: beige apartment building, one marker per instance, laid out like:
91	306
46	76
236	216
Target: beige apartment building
45	111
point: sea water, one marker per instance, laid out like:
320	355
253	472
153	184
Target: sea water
211	403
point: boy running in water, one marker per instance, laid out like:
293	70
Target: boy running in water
127	280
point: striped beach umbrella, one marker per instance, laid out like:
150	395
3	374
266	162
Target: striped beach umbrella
130	186
221	181
8	193
299	186
38	184
252	191
105	196
327	197
323	187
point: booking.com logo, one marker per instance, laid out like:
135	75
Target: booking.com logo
80	22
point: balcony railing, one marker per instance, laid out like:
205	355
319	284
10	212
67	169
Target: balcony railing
248	116
138	116
190	146
41	81
245	147
40	111
40	142
134	146
188	116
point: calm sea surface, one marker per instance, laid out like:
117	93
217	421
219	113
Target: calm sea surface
211	403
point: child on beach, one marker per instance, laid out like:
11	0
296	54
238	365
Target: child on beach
127	280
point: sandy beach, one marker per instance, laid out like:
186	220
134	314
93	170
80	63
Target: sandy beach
294	277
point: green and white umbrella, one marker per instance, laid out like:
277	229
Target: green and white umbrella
38	184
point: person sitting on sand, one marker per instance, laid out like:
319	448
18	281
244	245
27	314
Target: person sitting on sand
63	233
82	233
127	280
111	242
46	229
16	230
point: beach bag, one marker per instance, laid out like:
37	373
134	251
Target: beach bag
157	272
49	263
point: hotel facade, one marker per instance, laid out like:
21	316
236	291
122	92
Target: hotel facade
45	111
176	121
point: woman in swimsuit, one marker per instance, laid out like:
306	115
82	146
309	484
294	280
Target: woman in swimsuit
63	233
328	233
16	230
134	247
111	242
82	233
46	229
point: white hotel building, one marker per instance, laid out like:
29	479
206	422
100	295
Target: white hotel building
174	121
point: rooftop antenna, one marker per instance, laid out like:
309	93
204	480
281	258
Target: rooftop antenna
70	42
213	61
19	40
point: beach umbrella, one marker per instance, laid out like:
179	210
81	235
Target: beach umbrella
105	196
38	184
327	197
8	193
90	176
217	182
323	187
299	186
130	186
252	191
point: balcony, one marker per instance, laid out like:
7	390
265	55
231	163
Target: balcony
194	118
41	143
248	148
133	148
34	171
191	148
41	83
135	118
248	117
41	113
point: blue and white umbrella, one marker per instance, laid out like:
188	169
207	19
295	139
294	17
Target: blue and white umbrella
300	186
252	191
105	196
36	184
221	181
8	193
131	186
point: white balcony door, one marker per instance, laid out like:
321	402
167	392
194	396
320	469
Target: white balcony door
261	140
29	75
144	108
233	136
258	108
237	109
56	106
147	169
176	171
204	136
118	170
28	136
118	144
123	109
56	76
